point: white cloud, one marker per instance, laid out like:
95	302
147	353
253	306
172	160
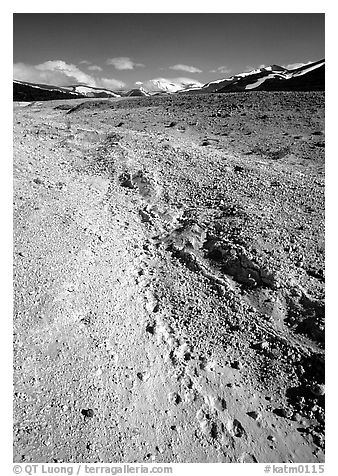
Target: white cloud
123	63
60	73
249	68
94	67
111	83
185	67
57	73
85	62
60	68
169	84
221	69
296	65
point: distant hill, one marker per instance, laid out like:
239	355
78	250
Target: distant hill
90	91
23	91
310	77
137	92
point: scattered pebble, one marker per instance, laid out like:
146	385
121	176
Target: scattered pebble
254	415
87	413
318	390
237	365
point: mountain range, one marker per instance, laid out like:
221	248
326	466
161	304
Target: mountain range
310	77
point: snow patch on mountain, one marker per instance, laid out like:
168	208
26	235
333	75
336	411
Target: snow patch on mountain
171	85
140	91
216	82
309	68
260	81
243	81
45	87
248	73
92	92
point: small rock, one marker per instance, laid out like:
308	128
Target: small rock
253	415
284	412
219	404
317	133
318	390
297	417
174	398
238	429
150	328
237	365
87	413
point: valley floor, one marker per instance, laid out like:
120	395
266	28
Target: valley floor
169	279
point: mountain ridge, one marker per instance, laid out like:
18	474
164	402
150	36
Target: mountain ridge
271	78
309	77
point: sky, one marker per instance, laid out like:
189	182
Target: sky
122	51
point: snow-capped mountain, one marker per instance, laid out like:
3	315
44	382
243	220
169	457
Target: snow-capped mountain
141	91
271	78
310	77
165	85
24	91
92	92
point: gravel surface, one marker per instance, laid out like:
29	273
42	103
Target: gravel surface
169	279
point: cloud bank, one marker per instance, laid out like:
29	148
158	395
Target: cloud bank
60	73
94	67
222	70
123	63
185	67
55	72
111	83
296	65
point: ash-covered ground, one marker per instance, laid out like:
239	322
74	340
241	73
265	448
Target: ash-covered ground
169	279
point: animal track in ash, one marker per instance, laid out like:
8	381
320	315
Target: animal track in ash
139	181
211	424
306	316
234	261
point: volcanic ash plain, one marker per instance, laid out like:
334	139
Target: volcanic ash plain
169	279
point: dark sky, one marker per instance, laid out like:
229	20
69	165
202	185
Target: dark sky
155	42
